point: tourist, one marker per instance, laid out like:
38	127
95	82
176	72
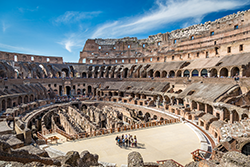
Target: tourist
126	142
123	142
132	142
135	141
236	77
116	139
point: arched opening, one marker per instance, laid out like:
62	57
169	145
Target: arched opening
213	73
31	97
224	72
84	75
89	89
178	73
150	73
9	103
167	99
201	107
195	73
68	90
204	73
157	74
209	109
164	74
246	149
171	74
226	114
83	91
78	91
125	73
186	73
244	116
235	116
147	117
154	117
25	99
66	71
235	71
144	74
20	100
194	105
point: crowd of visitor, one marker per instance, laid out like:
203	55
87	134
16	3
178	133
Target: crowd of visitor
126	141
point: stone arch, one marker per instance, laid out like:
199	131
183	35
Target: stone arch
194	105
66	72
226	114
157	74
224	72
83	91
26	99
68	90
201	106
210	109
213	73
125	73
89	89
9	103
235	116
179	73
20	100
84	75
31	97
246	149
195	73
171	74
164	74
78	91
203	73
167	99
235	71
243	116
146	117
150	73
186	73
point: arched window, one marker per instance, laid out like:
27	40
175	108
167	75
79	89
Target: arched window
195	73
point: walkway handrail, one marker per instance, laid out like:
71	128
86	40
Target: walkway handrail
163	161
40	136
63	133
197	156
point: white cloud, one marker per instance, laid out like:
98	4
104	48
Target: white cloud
73	40
74	16
22	10
164	13
4	27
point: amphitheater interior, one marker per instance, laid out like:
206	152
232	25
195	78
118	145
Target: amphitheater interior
197	75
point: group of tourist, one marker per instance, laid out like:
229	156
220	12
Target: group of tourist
126	141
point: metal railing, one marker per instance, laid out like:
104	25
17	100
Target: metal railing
199	155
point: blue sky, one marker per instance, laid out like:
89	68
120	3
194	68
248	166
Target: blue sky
60	28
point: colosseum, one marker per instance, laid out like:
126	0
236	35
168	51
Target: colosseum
185	94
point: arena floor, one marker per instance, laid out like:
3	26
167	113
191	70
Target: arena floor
175	141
